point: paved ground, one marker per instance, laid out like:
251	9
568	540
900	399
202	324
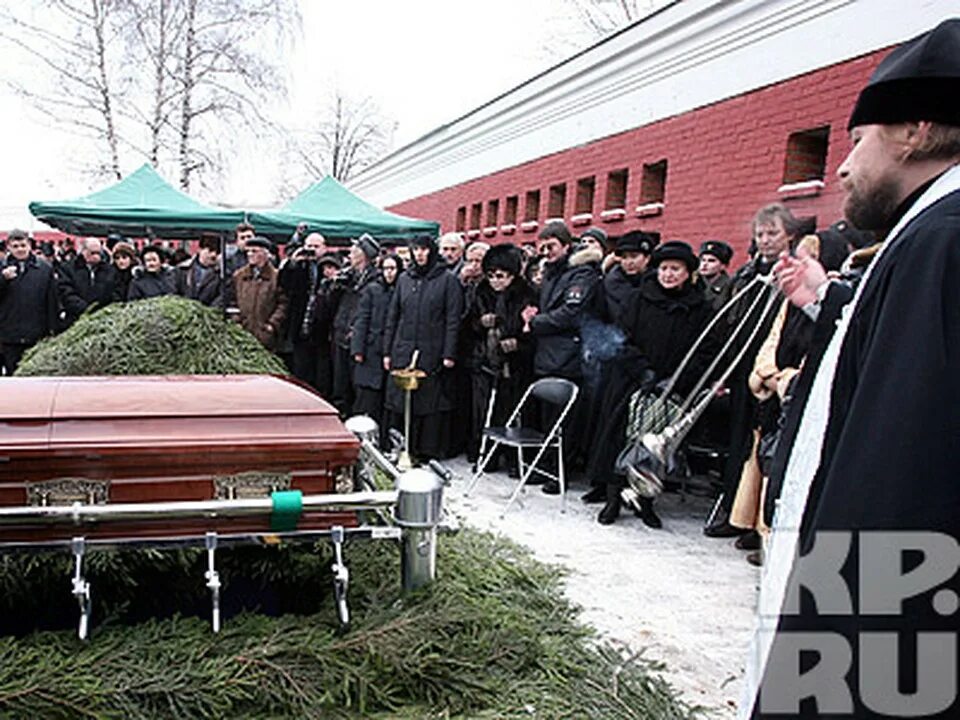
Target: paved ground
685	599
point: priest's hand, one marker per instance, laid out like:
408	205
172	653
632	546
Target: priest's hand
800	277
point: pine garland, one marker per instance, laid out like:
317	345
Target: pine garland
492	638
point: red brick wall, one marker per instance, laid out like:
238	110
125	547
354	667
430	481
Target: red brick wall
724	162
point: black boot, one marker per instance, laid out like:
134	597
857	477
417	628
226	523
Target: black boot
647	514
611	511
596	494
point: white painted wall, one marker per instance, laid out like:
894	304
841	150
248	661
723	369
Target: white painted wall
691	54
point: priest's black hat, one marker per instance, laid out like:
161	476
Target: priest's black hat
502	257
719	249
920	80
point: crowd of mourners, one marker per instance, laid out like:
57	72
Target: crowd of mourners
614	315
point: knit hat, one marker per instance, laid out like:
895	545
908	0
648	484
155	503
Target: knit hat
502	257
676	250
916	81
596	233
719	249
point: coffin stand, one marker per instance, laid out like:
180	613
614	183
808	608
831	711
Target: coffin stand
177	460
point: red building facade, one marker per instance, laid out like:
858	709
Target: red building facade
695	176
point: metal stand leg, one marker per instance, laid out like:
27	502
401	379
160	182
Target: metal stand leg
213	579
714	511
341	576
81	588
483	461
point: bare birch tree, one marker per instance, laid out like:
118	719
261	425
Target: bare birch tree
602	17
77	43
348	136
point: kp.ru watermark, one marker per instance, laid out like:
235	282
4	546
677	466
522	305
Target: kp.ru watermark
887	645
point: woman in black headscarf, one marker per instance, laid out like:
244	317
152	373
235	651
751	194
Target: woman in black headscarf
366	342
424	318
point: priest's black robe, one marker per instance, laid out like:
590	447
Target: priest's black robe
890	460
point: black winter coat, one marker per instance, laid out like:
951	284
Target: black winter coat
367	338
209	291
618	289
569	292
424	315
507	306
662	324
28	303
347	293
296	283
151	284
80	286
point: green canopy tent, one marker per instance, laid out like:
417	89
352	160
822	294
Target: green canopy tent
143	204
329	208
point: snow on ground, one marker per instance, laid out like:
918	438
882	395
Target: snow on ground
685	599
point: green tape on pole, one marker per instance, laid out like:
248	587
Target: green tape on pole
287	506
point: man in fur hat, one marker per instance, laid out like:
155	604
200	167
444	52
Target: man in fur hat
866	472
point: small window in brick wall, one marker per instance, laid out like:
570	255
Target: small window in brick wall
493	213
653	183
558	200
510	210
531	210
806	155
461	218
476	210
585	190
617	189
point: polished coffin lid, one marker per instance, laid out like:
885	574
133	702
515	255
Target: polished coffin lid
166	437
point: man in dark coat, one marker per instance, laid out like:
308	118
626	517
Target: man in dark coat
871	440
309	311
89	280
569	296
28	301
346	295
715	257
199	277
424	317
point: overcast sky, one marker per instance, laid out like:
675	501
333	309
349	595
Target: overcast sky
424	62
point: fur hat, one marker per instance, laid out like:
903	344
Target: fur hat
719	249
369	246
502	257
557	229
329	259
676	250
636	241
124	249
915	82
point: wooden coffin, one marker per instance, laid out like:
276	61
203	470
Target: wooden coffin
170	438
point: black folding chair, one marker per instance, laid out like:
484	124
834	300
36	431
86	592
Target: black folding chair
554	391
